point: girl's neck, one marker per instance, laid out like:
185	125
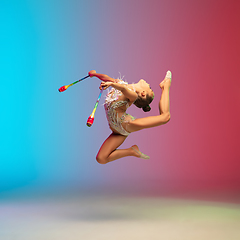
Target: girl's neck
134	87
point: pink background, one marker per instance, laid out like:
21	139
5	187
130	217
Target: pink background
198	42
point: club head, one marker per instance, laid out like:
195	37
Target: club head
63	88
90	121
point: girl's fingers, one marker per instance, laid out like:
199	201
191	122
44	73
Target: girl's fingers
104	85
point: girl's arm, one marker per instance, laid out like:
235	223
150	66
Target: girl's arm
102	77
129	94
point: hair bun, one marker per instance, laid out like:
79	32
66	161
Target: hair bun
146	108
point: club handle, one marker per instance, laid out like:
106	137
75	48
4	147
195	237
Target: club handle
91	117
64	88
81	79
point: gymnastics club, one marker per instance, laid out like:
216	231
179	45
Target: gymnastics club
64	88
91	117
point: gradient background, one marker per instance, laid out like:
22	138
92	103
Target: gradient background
45	143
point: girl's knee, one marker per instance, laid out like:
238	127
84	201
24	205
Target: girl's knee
101	159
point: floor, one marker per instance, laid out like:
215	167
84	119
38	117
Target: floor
105	217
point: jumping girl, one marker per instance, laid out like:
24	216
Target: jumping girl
121	96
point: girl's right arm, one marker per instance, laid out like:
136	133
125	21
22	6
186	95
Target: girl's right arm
129	94
102	77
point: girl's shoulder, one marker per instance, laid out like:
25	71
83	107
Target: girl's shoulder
120	81
129	86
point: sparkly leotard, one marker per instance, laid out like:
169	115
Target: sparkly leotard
115	118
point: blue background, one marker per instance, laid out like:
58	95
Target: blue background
44	137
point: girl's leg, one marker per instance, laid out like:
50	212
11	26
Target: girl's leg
109	152
164	104
153	121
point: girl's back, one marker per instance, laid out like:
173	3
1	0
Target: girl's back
116	105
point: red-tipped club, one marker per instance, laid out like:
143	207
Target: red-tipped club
90	121
62	89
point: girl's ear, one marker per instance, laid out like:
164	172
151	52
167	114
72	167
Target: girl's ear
143	93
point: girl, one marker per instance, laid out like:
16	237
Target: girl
121	96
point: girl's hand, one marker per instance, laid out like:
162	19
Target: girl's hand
105	85
91	73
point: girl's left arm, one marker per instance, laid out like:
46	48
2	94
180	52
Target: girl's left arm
129	94
102	77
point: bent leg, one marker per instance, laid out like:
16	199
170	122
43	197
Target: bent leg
148	122
153	121
109	152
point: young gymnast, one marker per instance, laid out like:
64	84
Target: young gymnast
121	96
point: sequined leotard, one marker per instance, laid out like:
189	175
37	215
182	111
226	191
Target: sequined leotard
116	118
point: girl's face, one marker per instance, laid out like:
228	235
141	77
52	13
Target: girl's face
146	87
